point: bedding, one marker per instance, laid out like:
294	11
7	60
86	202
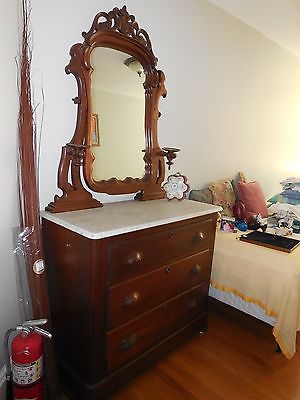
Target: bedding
283	208
237	302
290	192
262	282
263	277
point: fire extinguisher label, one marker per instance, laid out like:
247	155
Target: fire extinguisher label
26	374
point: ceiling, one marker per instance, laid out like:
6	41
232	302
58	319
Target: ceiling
279	20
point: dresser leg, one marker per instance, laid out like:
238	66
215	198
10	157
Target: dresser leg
278	349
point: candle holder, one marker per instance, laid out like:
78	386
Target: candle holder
170	154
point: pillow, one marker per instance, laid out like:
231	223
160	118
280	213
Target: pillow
240	177
251	195
223	195
203	195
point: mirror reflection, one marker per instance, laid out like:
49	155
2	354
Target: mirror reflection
118	115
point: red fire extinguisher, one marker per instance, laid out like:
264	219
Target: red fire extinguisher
25	370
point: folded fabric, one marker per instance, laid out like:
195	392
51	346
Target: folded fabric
284	208
291	193
290	181
294	187
284	199
291	184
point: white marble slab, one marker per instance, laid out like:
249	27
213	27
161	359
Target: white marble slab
128	216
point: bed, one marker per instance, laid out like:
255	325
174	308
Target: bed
262	282
259	281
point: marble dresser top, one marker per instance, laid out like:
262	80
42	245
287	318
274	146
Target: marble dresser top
128	216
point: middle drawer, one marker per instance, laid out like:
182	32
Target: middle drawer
135	296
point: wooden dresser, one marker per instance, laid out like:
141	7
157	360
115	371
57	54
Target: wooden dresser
127	283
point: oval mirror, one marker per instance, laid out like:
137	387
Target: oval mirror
118	115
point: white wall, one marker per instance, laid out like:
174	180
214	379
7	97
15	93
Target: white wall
9	314
233	95
276	19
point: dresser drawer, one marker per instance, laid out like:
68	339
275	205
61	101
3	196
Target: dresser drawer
133	256
139	334
135	296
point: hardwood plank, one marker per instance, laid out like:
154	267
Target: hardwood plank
235	359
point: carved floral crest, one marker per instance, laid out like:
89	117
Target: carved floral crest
119	20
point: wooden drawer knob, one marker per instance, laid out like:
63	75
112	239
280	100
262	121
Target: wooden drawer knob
134	258
127	343
199	236
132	299
195	269
191	304
168	270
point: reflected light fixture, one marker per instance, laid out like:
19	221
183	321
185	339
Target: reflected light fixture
134	65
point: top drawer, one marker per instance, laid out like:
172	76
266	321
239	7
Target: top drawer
148	249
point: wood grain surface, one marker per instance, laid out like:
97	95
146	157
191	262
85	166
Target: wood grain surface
235	359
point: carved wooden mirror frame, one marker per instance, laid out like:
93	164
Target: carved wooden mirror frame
117	30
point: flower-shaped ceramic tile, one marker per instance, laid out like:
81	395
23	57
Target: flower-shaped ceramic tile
176	187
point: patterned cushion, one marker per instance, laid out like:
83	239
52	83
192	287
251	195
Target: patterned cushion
203	195
223	195
241	177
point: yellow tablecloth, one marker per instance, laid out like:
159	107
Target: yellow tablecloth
266	277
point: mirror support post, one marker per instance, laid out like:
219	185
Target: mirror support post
75	196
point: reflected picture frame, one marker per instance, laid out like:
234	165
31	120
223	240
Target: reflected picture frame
95	134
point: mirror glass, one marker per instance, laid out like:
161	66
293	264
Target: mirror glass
118	115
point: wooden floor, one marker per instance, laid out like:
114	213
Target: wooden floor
234	360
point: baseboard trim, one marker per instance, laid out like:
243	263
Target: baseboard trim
2	375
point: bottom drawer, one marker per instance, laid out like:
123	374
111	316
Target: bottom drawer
130	340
